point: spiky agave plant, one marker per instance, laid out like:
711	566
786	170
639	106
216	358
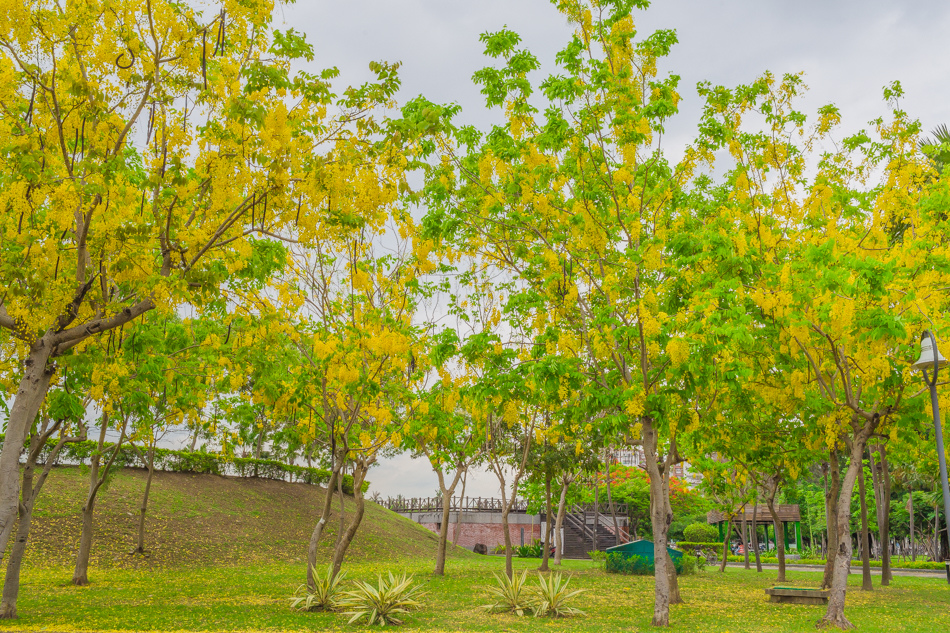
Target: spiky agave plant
325	596
512	595
384	603
552	597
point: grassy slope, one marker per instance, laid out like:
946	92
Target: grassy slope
196	520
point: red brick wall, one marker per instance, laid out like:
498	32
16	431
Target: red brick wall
491	534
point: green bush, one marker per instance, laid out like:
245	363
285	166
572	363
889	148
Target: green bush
512	595
549	598
325	596
535	550
700	533
553	597
617	563
895	564
383	604
708	549
693	564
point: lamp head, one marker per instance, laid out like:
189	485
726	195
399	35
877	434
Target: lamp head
928	350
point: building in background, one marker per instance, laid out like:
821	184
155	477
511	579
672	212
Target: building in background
633	456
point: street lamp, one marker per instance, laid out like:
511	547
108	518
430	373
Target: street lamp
930	358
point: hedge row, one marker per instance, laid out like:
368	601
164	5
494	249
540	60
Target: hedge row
200	462
895	564
705	548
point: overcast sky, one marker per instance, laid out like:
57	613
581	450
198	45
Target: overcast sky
848	49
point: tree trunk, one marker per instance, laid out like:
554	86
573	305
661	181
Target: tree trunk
662	516
504	526
31	392
458	515
884	523
725	545
30	493
596	510
863	534
779	529
143	509
755	536
913	547
675	597
744	539
561	506
97	476
834	615
11	582
610	504
360	468
335	467
447	493
831	498
547	522
80	575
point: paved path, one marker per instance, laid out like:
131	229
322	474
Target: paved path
855	569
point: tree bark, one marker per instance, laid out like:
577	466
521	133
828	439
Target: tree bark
31	392
335	467
755	536
913	549
360	468
831	498
834	615
744	539
595	536
149	458
509	571
662	516
561	506
779	529
863	534
884	523
81	573
458	516
30	492
610	504
446	514
725	545
547	522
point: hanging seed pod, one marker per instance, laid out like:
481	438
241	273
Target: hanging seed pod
131	61
151	123
204	59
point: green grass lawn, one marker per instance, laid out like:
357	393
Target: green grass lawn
255	598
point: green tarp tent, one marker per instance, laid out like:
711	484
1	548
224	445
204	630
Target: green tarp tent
644	550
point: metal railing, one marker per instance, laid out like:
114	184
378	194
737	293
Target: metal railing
456	504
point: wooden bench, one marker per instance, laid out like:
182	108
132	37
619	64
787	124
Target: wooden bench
797	595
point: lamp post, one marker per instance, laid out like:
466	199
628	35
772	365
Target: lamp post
930	358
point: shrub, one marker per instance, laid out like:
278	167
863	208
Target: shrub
700	533
708	549
597	557
511	595
325	595
204	463
617	563
553	596
693	564
384	603
535	550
